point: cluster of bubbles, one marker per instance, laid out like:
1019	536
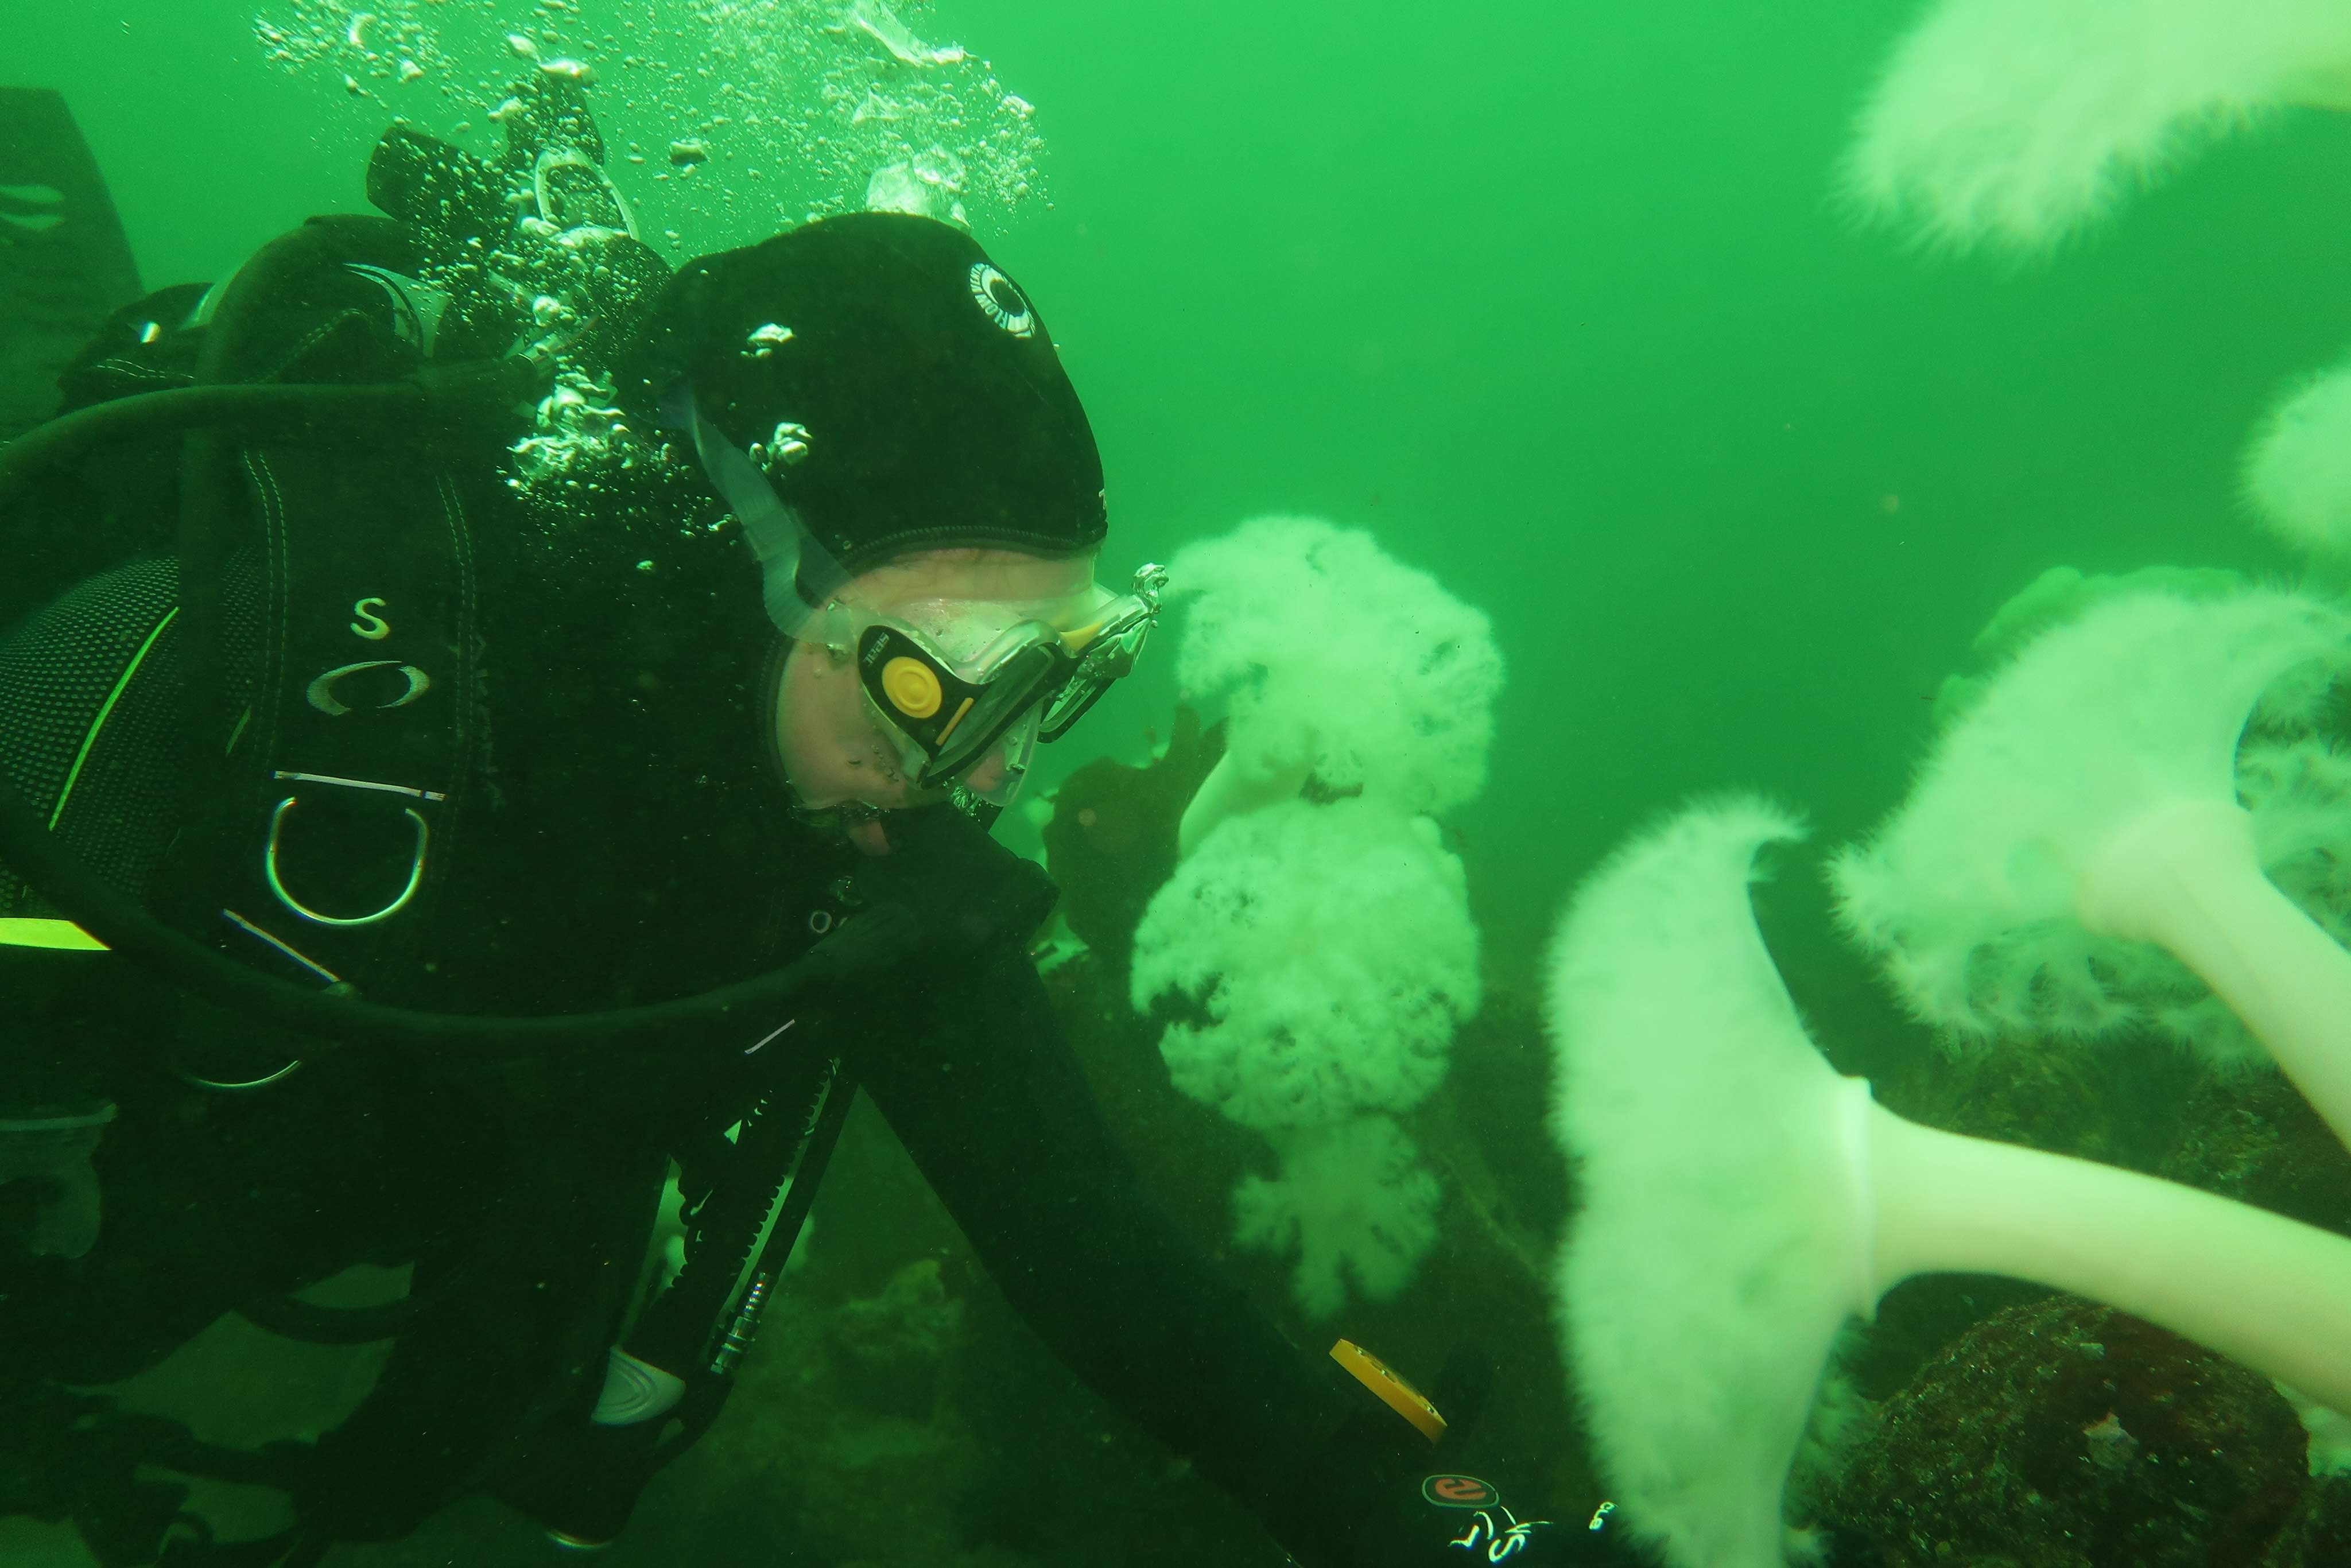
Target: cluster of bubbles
744	116
732	119
871	116
571	446
372	50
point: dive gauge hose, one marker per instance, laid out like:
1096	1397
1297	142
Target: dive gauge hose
858	948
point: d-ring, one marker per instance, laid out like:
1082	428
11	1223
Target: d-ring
269	870
185	1076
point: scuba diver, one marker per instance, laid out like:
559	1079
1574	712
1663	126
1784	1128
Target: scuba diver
497	719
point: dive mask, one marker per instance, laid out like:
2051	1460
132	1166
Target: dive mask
951	680
954	683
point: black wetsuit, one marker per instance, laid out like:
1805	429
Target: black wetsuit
212	1200
626	843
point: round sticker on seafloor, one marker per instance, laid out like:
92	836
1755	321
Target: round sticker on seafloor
1458	1491
1001	298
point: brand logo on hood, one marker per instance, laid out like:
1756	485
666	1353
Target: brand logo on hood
1002	299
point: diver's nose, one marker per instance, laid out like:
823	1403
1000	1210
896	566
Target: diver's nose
986	773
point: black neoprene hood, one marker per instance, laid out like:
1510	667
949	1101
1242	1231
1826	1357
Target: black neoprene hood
936	413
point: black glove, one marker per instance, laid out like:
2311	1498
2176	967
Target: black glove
970	893
1457	1521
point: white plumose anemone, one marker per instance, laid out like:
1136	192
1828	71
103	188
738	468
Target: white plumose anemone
1331	955
1354	1202
1740	1201
2298	468
1319	939
2016	122
2083	813
1326	955
1342	663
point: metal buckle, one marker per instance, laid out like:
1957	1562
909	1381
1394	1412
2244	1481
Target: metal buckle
416	861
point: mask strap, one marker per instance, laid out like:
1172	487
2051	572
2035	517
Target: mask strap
791	559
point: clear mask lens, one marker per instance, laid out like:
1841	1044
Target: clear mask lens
1107	660
997	777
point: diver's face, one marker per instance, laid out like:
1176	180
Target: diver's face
834	750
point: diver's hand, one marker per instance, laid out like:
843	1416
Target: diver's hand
1457	1520
972	894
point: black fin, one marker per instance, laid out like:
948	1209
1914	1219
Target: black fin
65	264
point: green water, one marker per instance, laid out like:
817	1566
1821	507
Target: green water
1556	299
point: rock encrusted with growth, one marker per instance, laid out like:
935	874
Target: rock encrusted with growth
2066	1435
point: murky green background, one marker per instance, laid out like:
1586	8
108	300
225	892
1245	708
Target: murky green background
1555	299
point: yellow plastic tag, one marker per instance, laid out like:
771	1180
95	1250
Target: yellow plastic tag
1398	1395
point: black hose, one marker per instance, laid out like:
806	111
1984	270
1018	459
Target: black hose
295	413
859	947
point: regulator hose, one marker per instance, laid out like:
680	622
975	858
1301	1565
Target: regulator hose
876	937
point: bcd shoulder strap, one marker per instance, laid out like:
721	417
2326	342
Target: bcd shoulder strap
341	567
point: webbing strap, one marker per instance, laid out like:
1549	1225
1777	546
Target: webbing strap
364	733
330	809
